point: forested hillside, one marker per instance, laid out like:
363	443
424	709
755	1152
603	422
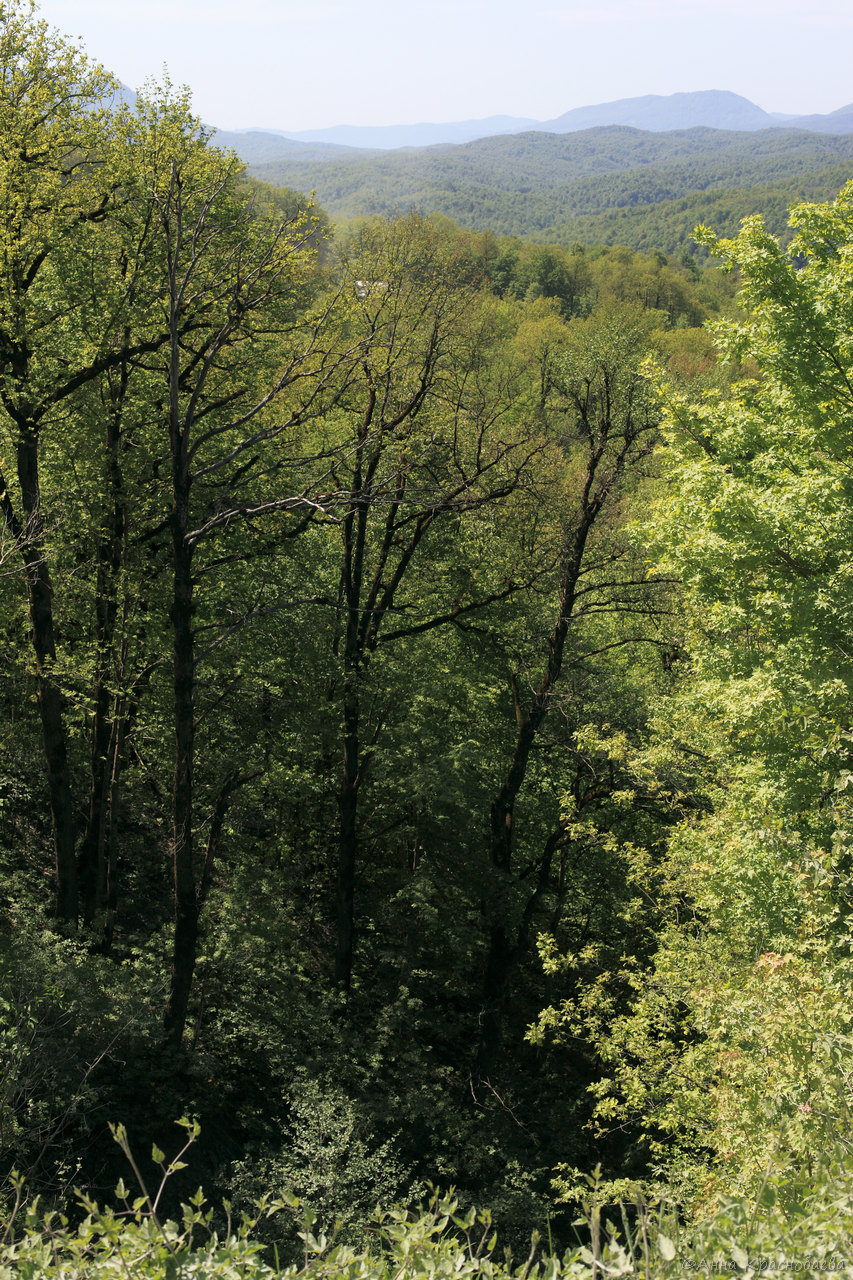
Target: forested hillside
426	693
603	186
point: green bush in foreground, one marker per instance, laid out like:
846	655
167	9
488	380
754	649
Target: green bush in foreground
773	1235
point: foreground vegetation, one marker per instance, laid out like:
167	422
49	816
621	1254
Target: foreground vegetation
434	1240
426	677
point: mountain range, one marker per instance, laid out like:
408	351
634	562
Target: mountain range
606	185
712	108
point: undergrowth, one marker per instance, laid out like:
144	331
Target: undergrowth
778	1234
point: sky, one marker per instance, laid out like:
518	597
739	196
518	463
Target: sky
310	64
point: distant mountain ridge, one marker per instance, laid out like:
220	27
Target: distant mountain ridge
389	137
611	184
709	108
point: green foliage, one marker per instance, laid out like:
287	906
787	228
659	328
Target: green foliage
601	186
328	1156
437	1240
367	461
578	280
733	1056
70	1022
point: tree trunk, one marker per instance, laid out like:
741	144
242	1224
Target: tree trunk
91	862
501	949
354	530
50	699
183	640
502	952
186	903
348	837
110	899
110	554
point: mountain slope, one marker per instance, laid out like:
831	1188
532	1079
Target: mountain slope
257	147
539	185
522	162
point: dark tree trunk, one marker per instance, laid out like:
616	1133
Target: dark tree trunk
110	899
92	862
183	684
503	950
50	698
354	531
53	731
186	903
348	840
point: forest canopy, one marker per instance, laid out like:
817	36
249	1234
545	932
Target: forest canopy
613	185
426	686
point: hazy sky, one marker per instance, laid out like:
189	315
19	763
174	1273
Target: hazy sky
303	64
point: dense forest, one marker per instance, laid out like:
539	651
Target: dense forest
608	185
426	761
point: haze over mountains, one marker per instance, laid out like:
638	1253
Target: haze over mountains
713	108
